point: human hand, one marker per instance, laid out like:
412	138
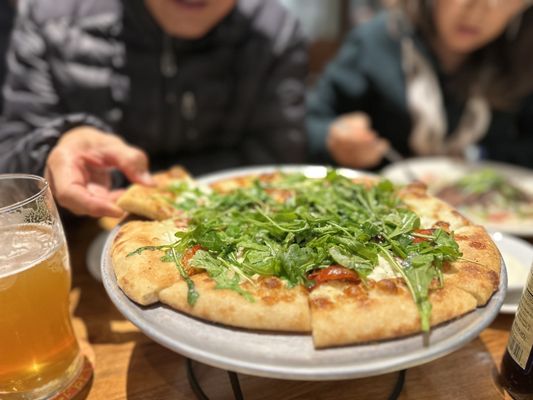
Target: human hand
352	142
79	171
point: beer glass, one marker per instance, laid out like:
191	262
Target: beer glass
39	353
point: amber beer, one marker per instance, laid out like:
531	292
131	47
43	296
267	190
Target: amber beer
39	355
517	364
37	343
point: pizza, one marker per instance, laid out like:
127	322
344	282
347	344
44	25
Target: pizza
347	261
489	196
154	202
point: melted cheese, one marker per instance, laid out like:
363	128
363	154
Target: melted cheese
383	271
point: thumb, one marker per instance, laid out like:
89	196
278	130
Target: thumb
130	160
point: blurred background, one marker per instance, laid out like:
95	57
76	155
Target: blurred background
325	23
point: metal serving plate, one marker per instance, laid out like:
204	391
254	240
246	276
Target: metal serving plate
292	356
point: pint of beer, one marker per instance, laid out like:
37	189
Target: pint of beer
39	354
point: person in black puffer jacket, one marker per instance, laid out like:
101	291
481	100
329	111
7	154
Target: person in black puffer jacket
208	84
6	25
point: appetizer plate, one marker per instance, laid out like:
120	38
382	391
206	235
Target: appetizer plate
292	356
440	171
518	257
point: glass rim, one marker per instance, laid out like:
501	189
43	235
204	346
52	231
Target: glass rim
29	199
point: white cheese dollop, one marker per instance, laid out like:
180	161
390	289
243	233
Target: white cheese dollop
383	271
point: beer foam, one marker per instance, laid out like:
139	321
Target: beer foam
23	246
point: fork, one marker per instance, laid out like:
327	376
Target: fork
392	155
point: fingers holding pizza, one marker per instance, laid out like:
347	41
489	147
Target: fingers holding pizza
156	202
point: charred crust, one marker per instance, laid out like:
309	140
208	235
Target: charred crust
417	186
269	177
271	283
269	300
388	286
456	213
494	279
445	226
273	298
321	303
181	222
119	236
477	245
447	267
355	291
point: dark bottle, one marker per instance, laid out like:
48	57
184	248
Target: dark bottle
517	364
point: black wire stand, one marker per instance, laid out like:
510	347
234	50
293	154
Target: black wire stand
237	391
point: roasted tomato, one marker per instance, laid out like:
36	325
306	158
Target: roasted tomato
189	253
422	232
334	273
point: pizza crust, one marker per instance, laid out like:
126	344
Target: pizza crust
430	209
142	276
154	202
275	307
478	270
346	313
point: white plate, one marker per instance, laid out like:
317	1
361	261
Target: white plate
292	356
439	171
518	257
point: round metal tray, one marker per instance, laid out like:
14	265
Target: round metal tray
292	356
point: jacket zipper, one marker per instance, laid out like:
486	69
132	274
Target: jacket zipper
169	71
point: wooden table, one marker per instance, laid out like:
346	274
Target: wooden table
129	365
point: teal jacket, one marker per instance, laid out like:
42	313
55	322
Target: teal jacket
367	76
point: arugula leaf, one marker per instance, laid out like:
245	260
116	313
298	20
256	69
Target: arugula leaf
360	265
418	280
208	238
192	294
217	270
295	262
145	248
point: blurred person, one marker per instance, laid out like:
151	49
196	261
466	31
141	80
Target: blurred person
102	85
438	77
7	15
363	10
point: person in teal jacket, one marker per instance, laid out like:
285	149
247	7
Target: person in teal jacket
431	77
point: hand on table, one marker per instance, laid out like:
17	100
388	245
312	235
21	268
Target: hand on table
79	171
352	142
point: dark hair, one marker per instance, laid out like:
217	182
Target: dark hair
501	71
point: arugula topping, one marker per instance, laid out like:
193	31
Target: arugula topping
486	180
294	225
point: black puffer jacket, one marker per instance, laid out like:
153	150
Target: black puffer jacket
6	24
232	98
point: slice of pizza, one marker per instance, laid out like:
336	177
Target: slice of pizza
377	310
265	303
156	202
139	261
148	270
430	209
